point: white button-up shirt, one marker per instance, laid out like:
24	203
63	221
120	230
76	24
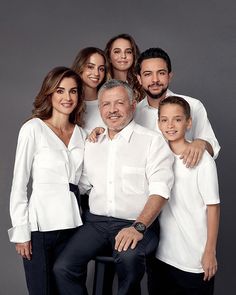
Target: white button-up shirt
43	156
122	173
147	116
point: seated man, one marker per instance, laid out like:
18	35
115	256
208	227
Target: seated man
129	174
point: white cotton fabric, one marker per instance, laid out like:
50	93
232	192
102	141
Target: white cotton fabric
92	117
183	220
122	173
43	156
147	116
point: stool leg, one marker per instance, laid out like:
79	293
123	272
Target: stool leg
98	278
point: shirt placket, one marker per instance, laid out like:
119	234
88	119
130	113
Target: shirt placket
111	178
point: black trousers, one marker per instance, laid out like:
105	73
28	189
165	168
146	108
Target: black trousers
46	246
164	279
98	233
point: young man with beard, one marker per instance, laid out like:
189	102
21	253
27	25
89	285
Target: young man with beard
154	73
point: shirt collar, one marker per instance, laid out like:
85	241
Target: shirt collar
145	101
125	133
77	138
169	93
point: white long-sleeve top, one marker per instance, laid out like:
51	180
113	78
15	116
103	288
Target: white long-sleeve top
123	172
43	156
147	116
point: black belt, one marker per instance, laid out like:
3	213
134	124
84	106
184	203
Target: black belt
75	189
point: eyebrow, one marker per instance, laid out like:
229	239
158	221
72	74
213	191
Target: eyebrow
150	71
59	87
120	48
90	63
175	116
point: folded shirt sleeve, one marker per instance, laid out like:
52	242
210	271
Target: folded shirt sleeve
159	168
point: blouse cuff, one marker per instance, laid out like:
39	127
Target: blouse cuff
20	233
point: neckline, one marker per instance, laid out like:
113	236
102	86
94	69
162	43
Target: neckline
91	102
56	136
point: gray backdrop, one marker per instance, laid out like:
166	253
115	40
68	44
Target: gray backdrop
198	35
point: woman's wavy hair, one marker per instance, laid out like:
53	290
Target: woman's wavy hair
131	76
82	58
43	101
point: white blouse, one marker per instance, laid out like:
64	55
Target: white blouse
52	165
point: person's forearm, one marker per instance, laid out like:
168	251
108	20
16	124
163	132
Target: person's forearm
213	217
151	209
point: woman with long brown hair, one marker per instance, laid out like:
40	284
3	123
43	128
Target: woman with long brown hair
122	53
50	152
91	65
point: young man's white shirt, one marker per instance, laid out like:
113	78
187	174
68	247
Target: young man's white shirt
123	172
147	116
52	206
183	220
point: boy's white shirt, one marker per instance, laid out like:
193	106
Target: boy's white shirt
183	220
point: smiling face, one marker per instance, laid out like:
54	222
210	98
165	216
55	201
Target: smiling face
121	55
65	98
173	122
116	109
154	77
93	71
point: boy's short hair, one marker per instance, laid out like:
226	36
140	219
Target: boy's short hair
176	100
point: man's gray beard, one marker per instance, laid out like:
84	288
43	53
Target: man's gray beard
155	96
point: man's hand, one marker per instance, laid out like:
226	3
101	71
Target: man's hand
209	265
93	136
193	153
24	249
127	237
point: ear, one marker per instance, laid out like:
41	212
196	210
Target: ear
139	79
171	74
189	123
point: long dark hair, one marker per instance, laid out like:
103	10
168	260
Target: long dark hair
131	76
82	57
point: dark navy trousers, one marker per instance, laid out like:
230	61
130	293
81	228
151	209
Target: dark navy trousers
98	233
164	279
46	246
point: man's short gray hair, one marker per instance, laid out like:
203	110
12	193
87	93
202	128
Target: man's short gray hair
113	83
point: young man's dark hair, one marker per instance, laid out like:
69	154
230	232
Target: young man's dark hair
154	52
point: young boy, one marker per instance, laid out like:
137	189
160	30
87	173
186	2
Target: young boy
186	256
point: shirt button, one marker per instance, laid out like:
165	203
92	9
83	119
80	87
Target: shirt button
110	182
